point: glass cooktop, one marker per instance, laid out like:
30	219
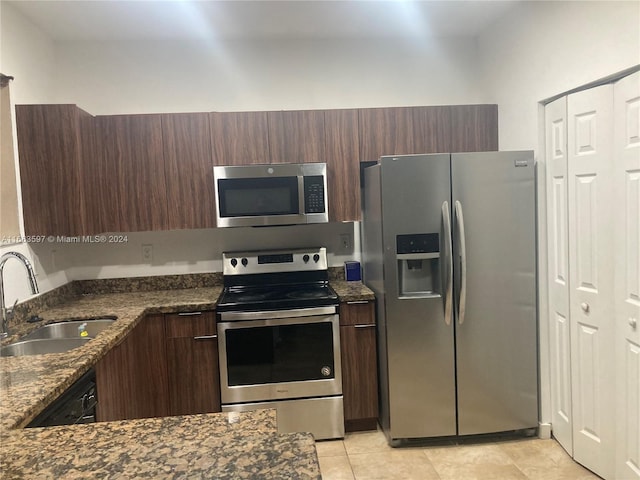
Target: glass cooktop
275	297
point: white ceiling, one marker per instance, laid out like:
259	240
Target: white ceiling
151	19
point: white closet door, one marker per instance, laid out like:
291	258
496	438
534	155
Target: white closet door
558	268
591	243
627	274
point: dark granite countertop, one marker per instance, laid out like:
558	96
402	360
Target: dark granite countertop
352	291
200	446
218	446
29	383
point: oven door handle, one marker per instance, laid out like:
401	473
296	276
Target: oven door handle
271	314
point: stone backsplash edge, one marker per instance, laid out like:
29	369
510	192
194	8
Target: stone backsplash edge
102	286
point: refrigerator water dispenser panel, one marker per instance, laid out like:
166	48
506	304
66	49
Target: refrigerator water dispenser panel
418	259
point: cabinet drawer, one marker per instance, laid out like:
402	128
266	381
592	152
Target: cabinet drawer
190	324
357	313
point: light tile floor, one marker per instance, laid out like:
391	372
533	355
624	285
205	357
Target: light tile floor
366	456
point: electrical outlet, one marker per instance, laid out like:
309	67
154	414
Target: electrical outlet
147	253
345	242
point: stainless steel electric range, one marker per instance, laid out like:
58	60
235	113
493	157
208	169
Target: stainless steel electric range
279	339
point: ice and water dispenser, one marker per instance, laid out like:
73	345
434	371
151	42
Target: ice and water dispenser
418	257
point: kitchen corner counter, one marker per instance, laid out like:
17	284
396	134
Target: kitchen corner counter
30	383
231	445
352	291
234	445
218	445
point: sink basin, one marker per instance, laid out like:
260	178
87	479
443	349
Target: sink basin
41	346
57	337
70	329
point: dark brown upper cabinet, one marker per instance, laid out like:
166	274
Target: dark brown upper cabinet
188	162
474	128
83	175
343	164
51	139
385	131
239	138
297	136
131	146
431	129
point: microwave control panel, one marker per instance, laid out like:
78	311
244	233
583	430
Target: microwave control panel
314	194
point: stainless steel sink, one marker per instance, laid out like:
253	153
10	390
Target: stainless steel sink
41	346
57	337
71	329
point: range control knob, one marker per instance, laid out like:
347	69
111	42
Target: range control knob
244	261
234	262
305	258
316	257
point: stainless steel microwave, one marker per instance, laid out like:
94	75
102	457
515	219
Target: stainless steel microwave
274	194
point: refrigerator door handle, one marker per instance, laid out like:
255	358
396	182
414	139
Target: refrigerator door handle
448	258
462	301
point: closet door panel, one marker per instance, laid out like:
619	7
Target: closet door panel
591	243
627	274
558	268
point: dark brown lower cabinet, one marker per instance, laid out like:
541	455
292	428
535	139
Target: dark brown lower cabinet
359	365
192	360
167	365
132	377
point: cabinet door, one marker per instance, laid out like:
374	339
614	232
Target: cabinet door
343	164
359	366
297	136
385	131
132	377
192	358
186	139
132	159
431	129
474	128
50	169
239	138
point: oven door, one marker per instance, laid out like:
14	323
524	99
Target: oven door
279	354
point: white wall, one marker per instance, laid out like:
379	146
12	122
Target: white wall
173	76
540	49
29	56
197	251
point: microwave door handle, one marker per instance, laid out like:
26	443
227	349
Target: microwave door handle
301	206
462	301
448	259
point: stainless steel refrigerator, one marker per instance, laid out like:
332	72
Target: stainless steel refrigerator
449	248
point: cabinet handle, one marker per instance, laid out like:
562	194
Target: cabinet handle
368	325
188	314
206	337
358	302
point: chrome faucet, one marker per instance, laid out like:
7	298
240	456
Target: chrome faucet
8	312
